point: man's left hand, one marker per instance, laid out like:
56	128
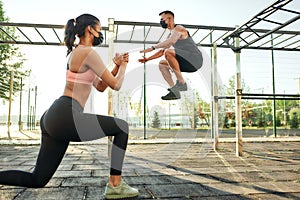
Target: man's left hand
146	50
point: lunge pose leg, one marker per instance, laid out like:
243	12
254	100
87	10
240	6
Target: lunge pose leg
65	121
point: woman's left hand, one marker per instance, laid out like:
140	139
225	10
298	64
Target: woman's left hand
119	58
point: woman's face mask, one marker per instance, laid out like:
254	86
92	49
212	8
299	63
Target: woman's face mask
98	40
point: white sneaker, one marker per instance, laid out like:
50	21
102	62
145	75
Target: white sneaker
123	190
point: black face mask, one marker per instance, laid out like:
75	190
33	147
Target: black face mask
163	24
98	40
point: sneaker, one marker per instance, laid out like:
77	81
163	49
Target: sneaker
172	95
178	87
123	190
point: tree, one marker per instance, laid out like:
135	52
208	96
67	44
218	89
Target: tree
294	115
155	121
11	60
230	104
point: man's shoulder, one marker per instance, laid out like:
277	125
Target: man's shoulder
179	27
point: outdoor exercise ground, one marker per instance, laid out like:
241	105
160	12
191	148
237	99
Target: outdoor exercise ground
173	168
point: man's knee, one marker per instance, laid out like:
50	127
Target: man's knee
169	54
163	65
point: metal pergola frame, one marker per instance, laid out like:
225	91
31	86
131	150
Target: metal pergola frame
246	36
249	40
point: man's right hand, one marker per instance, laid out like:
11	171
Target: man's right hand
143	60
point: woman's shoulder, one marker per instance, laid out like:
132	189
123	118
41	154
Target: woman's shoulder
82	51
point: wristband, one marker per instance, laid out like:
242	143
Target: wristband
153	48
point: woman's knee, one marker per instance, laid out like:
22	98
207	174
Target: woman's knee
39	182
123	125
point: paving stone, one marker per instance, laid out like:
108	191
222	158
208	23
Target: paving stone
62	193
9	193
84	181
166	171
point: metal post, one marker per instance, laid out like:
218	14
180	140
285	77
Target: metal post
193	112
20	110
215	98
273	84
28	111
9	105
34	111
111	23
284	113
169	115
299	89
238	101
145	109
212	92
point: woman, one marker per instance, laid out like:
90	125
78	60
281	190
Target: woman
65	121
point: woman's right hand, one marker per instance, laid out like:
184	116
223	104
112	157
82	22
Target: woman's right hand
125	58
121	59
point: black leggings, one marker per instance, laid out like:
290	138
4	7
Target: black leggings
63	122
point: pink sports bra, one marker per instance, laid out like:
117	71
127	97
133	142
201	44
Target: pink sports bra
86	77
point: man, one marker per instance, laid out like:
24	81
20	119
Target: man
181	55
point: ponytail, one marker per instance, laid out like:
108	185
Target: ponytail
77	27
70	35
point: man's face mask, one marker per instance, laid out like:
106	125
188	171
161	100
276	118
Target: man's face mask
98	40
163	24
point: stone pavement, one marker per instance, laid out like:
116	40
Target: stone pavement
163	169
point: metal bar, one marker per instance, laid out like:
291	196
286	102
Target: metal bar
253	32
274	95
41	35
271	21
117	31
57	35
38	43
215	101
273	88
8	35
270	40
132	33
283	40
220	37
291	43
195	32
260	98
145	94
185	25
210	32
10	102
252	21
272	31
110	63
238	101
31	25
24	34
147	34
291	11
160	36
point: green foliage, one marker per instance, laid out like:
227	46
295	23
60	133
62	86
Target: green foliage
10	60
295	117
155	121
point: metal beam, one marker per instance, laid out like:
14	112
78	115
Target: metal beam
219	32
263	16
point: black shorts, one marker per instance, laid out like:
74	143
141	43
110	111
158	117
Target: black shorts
189	65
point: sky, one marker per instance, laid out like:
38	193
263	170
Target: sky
48	63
